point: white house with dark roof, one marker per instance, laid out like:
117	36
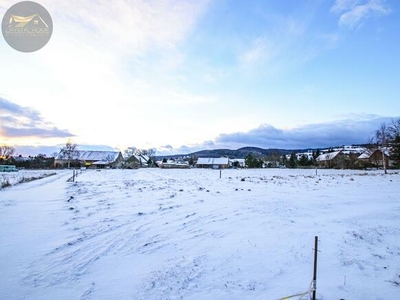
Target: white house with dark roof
214	163
336	159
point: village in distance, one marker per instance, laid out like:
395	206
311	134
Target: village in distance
381	151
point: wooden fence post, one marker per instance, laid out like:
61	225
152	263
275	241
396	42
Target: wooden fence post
315	268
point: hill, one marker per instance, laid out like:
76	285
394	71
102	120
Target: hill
239	153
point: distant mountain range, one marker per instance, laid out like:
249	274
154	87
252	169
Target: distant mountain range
239	153
257	152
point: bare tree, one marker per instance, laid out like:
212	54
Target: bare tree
382	137
151	153
141	152
69	152
394	128
130	151
6	152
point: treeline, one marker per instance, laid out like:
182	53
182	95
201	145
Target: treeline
276	160
40	161
387	138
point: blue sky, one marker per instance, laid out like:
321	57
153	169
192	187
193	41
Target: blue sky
186	75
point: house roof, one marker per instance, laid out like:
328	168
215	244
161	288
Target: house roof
109	156
101	162
327	156
367	154
212	161
142	158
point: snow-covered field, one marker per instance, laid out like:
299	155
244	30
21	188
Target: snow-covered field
188	234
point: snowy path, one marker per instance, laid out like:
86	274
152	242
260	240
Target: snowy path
187	234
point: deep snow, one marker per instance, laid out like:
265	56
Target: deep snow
187	234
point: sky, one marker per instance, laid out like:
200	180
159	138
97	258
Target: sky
180	76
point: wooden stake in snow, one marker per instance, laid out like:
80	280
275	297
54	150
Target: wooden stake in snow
315	268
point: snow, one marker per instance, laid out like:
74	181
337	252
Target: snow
91	155
14	178
212	161
188	234
327	156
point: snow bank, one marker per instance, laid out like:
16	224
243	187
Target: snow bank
8	179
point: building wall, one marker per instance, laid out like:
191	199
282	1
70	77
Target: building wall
213	166
377	160
339	161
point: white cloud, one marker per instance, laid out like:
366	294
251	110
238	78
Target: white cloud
352	13
356	129
127	26
260	50
343	132
107	66
24	122
271	50
344	5
185	149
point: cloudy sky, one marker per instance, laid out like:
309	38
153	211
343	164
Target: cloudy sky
187	75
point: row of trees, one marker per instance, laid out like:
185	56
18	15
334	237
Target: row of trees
67	152
388	138
40	161
253	162
279	159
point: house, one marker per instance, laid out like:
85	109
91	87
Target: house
137	161
90	159
172	164
336	159
214	163
375	157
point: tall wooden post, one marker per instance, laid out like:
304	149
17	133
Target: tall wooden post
315	268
